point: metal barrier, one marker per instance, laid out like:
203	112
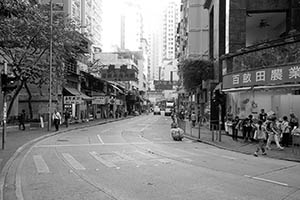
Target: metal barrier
296	143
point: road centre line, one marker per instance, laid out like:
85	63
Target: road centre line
100	139
267	180
40	164
74	163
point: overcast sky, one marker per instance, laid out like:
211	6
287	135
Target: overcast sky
112	9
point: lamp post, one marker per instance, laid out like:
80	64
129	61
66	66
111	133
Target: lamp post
50	66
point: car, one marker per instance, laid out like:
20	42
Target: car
156	110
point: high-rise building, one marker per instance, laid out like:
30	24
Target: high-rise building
131	27
170	21
87	14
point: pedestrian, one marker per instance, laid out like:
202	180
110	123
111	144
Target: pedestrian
285	128
235	128
273	132
262	115
56	119
260	136
247	125
67	115
294	122
193	119
22	120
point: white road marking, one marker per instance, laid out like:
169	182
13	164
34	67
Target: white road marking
146	154
103	161
105	144
74	163
129	158
40	164
100	139
165	160
267	180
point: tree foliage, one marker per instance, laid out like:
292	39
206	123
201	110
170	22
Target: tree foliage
25	41
194	71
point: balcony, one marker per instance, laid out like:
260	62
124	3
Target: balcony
271	53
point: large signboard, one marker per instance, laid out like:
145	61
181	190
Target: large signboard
72	100
123	73
164	85
101	100
267	76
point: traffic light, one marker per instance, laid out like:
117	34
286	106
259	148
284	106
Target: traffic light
219	97
8	83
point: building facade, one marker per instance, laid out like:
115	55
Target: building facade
260	65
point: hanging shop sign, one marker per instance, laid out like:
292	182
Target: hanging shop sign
101	100
267	76
164	85
72	100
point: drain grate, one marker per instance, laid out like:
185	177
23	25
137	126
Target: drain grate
62	140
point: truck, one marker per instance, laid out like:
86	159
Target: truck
170	105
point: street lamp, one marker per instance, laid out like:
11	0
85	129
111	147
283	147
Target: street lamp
50	66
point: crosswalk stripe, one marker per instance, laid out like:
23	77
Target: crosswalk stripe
146	154
100	139
40	164
74	163
103	161
129	158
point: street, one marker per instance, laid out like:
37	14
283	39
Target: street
137	159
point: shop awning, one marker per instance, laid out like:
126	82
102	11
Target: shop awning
117	88
236	89
262	87
75	92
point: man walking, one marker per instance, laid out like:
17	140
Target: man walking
22	120
56	119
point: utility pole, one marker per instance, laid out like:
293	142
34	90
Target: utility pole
50	66
4	109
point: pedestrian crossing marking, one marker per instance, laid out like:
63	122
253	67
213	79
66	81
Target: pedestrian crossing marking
74	163
103	161
129	158
146	154
100	139
40	164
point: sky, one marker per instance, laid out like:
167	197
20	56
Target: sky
112	9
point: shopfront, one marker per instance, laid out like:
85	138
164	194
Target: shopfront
272	89
77	103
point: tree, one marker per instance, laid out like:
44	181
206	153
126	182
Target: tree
194	71
24	44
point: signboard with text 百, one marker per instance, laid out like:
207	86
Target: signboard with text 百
266	76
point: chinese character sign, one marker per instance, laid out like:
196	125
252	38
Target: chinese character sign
72	100
266	76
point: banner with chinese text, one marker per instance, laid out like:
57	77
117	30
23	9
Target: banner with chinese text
266	76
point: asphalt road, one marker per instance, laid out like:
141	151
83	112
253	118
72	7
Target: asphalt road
136	159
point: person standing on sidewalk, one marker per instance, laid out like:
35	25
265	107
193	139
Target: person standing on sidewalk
56	119
247	127
260	135
273	132
235	128
22	120
193	119
67	117
285	128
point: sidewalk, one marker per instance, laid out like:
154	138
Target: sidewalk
240	145
16	139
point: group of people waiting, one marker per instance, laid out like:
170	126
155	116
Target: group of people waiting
265	129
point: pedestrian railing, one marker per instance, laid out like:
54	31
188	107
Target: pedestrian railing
296	143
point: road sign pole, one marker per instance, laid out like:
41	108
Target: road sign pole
4	111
